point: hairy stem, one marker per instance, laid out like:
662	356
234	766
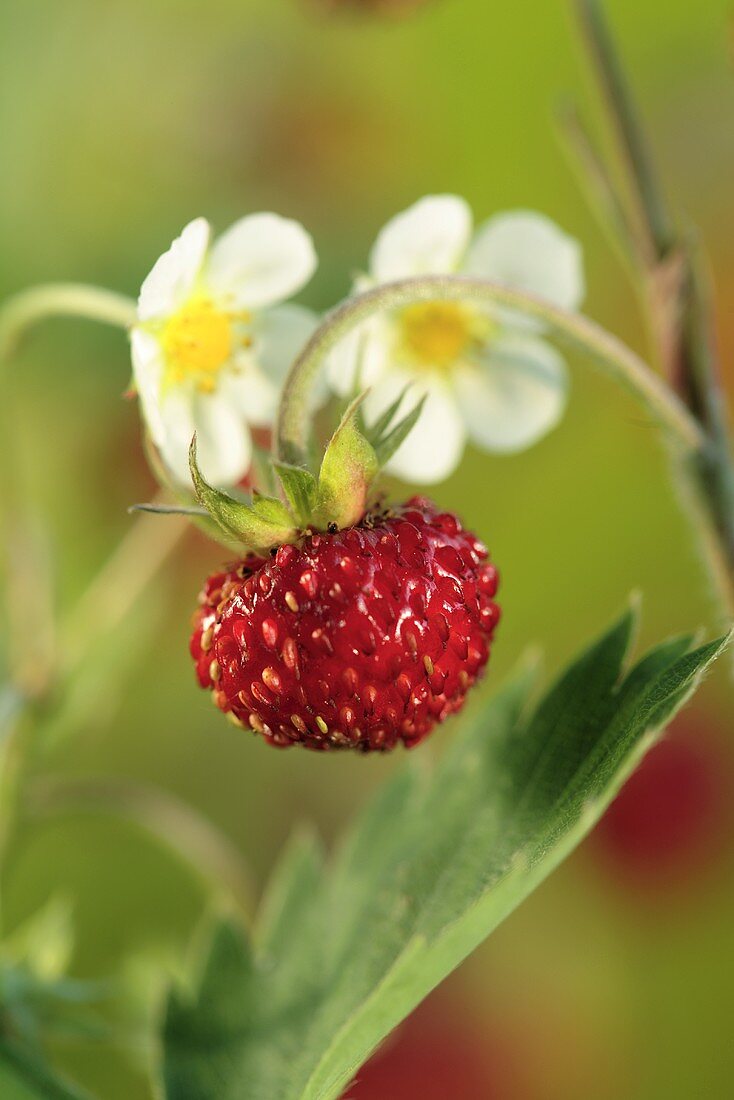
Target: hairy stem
603	349
676	290
686	436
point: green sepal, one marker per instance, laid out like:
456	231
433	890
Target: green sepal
271	510
168	509
300	488
260	525
375	431
387	445
348	469
386	439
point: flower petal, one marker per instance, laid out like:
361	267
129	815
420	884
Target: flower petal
261	259
429	238
174	273
223	441
434	447
361	358
224	444
254	383
148	367
177	417
279	336
528	251
515	395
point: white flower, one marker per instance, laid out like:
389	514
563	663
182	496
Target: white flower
212	344
487	374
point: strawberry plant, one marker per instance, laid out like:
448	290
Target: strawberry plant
337	615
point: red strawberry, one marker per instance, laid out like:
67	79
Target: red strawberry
354	639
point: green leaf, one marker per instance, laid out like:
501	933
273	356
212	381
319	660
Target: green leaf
300	488
203	1049
341	955
264	523
347	471
24	1076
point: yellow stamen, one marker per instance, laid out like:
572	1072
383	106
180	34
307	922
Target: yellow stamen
197	341
437	334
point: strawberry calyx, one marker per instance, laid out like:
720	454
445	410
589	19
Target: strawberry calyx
336	497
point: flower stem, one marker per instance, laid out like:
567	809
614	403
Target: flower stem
706	469
605	350
120	582
29	307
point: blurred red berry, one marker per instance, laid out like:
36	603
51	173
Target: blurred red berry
673	817
441	1052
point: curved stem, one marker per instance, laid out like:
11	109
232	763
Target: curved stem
60	300
197	842
17	315
608	353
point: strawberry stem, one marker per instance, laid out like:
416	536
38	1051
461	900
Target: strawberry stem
579	333
686	433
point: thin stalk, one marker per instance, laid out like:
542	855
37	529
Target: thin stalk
18	315
686	438
591	172
192	837
677	297
118	585
606	351
707	400
26	309
124	577
651	216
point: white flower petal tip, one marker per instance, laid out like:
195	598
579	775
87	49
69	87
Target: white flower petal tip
528	251
174	274
260	260
515	397
429	238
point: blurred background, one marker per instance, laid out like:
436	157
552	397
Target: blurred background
118	123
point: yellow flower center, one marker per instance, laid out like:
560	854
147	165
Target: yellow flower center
437	333
197	341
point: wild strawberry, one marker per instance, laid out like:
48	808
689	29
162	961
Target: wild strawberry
354	638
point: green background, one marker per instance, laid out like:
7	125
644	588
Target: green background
121	121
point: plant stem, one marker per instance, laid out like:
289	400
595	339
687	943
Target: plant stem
118	585
676	291
29	307
175	824
609	354
707	471
122	579
17	315
706	398
655	230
